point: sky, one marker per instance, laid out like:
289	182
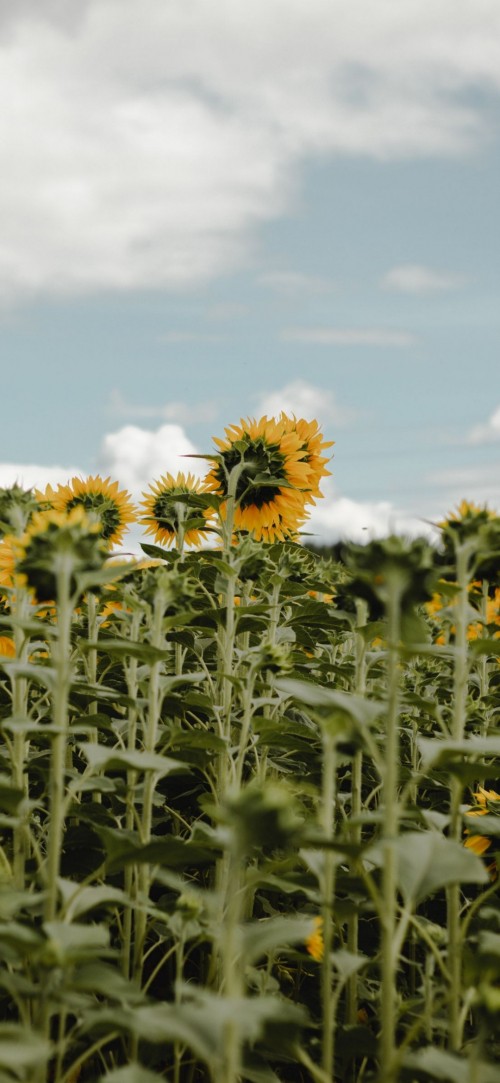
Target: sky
213	209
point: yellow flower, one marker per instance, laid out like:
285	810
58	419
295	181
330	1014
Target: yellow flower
280	467
7	563
313	444
486	800
165	513
475	630
7	647
50	533
315	944
466	510
99	497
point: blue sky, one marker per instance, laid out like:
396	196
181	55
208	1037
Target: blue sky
212	213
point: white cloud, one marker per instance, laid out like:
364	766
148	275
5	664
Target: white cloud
479	484
136	457
305	400
294	283
338	517
415	278
30	475
182	413
348	336
143	151
488	432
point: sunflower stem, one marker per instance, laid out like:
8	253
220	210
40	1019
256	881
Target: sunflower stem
327	820
130	871
150	738
20	744
60	739
389	954
459	717
356	807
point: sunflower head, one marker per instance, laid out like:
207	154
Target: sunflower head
7	647
16	508
7	563
315	944
101	499
487	802
52	538
176	510
272	467
478	529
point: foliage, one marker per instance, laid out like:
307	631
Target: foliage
235	790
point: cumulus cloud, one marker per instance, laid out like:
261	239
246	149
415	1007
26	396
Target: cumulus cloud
141	152
305	400
348	336
136	456
33	476
487	432
415	278
480	484
338	517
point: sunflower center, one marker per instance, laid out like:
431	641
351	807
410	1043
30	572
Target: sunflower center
164	511
261	460
103	507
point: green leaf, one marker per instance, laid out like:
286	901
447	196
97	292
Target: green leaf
359	709
427	862
21	1050
436	752
348	963
83	899
120	648
481	646
67	944
99	758
438	1064
132	1073
106	980
261	937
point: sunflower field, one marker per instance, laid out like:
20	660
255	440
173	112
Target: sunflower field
249	790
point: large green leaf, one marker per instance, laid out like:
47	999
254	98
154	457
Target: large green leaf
21	1049
261	937
132	1073
427	861
67	944
100	757
431	1062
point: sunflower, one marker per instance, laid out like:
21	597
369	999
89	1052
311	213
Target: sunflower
99	497
279	464
7	647
170	505
315	944
440	607
37	552
313	446
7	563
486	802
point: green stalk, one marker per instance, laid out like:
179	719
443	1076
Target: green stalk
150	739
130	871
356	808
327	821
61	733
20	745
389	955
232	971
459	718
